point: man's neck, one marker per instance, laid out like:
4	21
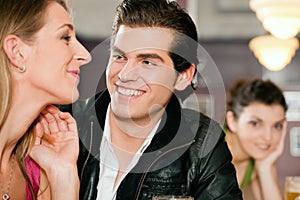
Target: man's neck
128	135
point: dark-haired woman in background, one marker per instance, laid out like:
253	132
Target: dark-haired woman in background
256	129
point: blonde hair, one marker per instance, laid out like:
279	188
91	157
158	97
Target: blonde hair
23	19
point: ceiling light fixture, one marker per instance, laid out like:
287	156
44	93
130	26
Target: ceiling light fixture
273	53
279	17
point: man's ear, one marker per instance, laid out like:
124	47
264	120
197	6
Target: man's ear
185	78
231	121
12	46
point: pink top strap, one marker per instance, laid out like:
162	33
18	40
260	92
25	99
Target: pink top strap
34	175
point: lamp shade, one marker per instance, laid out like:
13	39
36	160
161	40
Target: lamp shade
273	53
279	17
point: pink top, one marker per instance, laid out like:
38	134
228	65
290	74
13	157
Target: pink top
34	174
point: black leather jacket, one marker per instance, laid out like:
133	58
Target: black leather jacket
187	156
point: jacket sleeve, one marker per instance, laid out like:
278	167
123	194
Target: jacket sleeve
217	175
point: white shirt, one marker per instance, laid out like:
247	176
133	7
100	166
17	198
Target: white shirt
109	165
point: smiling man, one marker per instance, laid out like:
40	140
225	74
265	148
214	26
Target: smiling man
136	140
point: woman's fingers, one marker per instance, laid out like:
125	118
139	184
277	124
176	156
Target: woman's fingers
56	124
69	121
58	121
44	124
282	139
51	114
62	124
39	132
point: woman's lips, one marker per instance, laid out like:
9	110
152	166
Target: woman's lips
75	73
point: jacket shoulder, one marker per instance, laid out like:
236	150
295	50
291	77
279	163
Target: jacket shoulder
201	123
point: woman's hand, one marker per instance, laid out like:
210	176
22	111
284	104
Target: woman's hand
267	171
56	150
56	139
273	157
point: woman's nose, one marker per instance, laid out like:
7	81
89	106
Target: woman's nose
82	55
267	134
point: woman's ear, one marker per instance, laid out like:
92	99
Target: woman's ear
231	121
185	78
12	46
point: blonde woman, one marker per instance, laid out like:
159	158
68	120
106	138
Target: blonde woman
40	60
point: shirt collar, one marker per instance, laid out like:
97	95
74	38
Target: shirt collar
107	133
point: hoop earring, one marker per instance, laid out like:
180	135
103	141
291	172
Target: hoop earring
22	69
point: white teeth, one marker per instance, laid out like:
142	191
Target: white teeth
262	146
129	92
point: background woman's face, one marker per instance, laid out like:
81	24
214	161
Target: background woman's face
259	128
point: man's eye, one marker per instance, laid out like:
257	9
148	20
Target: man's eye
118	57
149	63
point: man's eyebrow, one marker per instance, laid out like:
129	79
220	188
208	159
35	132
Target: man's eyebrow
150	55
70	26
142	55
116	49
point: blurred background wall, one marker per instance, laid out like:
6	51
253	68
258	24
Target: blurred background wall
225	28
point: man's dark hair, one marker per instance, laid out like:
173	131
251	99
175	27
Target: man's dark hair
163	14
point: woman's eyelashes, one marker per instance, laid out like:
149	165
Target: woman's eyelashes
279	126
66	38
254	123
